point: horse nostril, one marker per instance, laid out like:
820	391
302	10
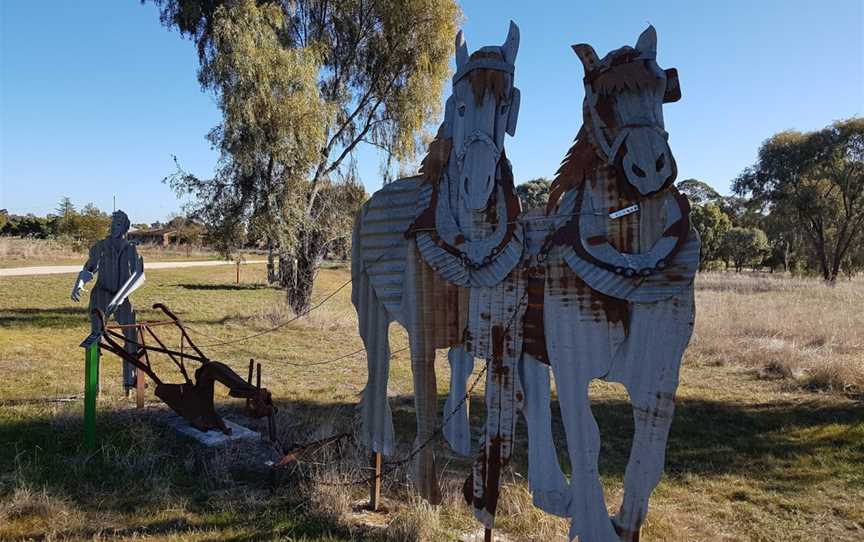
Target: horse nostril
638	171
661	161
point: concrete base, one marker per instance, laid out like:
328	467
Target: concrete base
210	438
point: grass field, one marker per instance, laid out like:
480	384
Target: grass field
17	252
767	442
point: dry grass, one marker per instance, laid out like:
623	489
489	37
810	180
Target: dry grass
800	330
20	252
13	249
754	454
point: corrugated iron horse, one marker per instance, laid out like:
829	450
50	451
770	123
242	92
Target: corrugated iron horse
618	301
602	287
428	248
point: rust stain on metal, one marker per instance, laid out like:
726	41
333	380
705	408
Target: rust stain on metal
534	335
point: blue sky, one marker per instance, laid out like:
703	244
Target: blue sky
96	97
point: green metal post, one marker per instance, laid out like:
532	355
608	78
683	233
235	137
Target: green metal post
91	390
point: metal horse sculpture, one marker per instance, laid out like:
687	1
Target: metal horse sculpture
429	251
601	287
618	300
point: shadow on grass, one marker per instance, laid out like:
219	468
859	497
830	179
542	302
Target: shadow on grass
141	466
225	287
146	473
59	317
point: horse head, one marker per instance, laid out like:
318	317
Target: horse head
623	111
483	107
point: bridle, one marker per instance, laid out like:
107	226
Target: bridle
478	136
609	150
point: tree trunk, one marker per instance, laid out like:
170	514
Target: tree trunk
297	271
272	277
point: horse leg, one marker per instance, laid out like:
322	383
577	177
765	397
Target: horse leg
652	414
457	429
376	420
648	368
546	481
426	406
590	519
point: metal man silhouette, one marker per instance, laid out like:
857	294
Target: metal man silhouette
115	260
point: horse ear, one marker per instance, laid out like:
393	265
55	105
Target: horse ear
461	50
587	55
513	114
511	44
445	131
647	43
673	87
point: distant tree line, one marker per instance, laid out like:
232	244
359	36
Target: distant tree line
799	208
80	228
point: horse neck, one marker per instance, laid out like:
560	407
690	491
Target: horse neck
633	233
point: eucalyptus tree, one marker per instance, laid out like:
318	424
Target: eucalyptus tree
300	85
712	224
816	179
534	193
698	192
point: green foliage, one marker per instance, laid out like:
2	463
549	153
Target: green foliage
814	180
698	192
744	246
91	225
712	224
301	84
79	229
67	216
27	226
534	193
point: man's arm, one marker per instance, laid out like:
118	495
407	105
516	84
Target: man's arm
91	267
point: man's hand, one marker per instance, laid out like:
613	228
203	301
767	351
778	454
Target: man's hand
76	290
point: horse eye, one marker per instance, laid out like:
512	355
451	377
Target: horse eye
638	171
661	161
462	110
503	108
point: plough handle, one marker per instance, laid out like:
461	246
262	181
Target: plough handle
179	324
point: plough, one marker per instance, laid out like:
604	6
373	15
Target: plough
191	400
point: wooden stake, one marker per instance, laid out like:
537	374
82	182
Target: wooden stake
91	390
238	271
375	488
487	535
139	389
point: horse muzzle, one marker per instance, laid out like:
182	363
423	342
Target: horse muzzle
477	173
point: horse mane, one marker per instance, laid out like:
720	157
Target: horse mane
482	81
574	169
624	74
436	159
487	80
